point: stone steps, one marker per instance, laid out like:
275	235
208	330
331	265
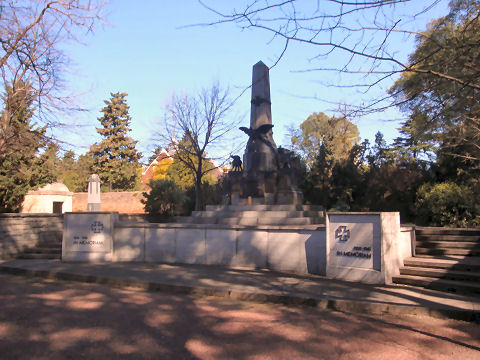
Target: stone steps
251	221
461	263
430	231
48	246
257	215
39	256
445	259
447	251
449	244
43	250
53	245
449	274
449	238
264	208
434	283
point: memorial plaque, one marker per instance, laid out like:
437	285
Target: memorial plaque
352	243
89	233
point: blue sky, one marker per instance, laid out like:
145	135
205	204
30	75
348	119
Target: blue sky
147	52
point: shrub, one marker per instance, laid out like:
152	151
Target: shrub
165	198
447	204
211	195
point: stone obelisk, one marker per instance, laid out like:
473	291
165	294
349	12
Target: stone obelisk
261	108
269	173
260	154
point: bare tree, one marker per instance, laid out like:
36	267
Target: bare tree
440	78
31	33
359	34
204	122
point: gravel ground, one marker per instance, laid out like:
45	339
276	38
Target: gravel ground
44	319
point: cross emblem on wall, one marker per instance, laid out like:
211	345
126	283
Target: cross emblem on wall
342	234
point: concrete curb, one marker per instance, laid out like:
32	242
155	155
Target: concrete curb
342	305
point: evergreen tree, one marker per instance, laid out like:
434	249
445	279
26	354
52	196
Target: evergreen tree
156	152
416	143
74	173
380	154
115	157
20	168
317	186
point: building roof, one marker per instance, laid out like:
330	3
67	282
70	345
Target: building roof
56	188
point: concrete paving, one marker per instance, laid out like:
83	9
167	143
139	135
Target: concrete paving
259	286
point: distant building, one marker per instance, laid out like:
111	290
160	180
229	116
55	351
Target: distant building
169	153
52	199
148	173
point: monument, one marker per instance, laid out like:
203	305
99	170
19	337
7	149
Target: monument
93	199
88	236
269	173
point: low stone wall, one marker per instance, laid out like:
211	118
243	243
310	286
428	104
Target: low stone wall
122	202
297	250
365	247
19	231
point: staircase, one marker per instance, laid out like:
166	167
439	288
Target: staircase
49	246
257	215
445	259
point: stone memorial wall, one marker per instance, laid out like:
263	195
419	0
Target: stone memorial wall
87	236
365	247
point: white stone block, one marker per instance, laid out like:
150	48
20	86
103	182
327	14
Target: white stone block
220	246
129	244
160	245
316	252
190	246
346	258
367	276
392	258
88	236
252	249
286	251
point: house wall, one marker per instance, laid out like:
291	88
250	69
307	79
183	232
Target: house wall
40	203
122	202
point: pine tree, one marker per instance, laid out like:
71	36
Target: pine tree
74	173
417	140
115	157
20	168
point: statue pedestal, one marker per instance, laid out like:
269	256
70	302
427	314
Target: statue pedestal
267	188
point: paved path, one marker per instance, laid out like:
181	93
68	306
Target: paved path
259	286
56	319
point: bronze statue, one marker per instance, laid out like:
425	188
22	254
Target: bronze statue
236	163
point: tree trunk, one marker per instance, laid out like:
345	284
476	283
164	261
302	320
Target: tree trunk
198	194
198	186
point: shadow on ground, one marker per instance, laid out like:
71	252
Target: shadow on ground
52	319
